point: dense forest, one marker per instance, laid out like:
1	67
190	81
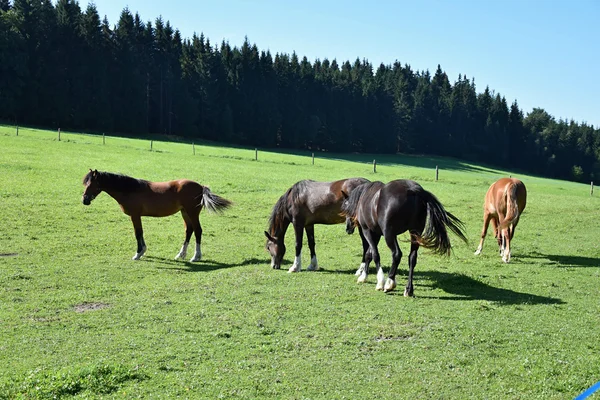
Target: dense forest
61	66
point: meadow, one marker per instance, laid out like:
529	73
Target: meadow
79	318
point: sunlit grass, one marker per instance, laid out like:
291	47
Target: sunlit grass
78	317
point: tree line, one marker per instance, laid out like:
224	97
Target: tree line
61	66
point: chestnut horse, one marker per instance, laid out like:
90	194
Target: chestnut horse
504	202
138	198
391	209
303	205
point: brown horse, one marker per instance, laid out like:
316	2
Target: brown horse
138	198
303	205
391	209
504	203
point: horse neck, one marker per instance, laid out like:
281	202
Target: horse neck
116	194
279	229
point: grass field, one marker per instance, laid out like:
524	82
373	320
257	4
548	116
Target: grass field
79	318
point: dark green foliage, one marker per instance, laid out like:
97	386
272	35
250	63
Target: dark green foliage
61	66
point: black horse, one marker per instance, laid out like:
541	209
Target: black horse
391	209
303	205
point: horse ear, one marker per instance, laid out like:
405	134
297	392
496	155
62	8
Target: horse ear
345	195
269	237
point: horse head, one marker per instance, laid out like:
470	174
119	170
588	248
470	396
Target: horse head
276	248
92	187
350	220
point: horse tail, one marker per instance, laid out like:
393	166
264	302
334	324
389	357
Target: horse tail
212	202
435	235
512	207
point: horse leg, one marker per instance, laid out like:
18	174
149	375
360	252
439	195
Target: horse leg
363	269
486	222
392	243
299	231
373	240
198	234
139	236
310	235
506	244
188	235
412	262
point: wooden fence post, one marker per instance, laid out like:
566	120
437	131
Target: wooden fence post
592	188
437	171
103	140
313	158
151	144
374	166
255	154
193	149
59	134
17	130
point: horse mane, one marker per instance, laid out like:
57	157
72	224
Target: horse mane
350	206
281	209
119	182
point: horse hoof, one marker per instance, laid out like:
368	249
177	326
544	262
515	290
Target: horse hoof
195	259
312	268
362	278
379	286
478	252
407	293
389	286
293	269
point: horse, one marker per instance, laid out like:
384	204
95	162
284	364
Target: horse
303	205
387	210
138	197
504	203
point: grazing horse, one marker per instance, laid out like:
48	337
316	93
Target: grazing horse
303	205
391	209
138	197
504	203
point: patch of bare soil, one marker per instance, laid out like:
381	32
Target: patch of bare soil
85	307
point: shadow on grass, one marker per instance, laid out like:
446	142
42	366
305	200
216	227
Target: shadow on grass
200	266
462	287
467	288
564	261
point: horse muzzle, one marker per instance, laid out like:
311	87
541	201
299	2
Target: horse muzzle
86	200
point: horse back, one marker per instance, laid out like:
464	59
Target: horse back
321	202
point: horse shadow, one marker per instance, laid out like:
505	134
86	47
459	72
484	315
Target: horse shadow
464	287
563	261
203	265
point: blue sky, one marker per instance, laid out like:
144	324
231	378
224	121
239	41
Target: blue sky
543	53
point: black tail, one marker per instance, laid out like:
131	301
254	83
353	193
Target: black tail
212	202
435	236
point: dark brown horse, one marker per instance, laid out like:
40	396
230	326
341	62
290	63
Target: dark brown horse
504	203
391	209
138	198
303	205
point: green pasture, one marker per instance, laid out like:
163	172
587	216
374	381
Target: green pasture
79	318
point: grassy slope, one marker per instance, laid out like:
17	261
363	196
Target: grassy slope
230	326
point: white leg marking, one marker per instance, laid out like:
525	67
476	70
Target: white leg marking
297	265
314	265
360	269
197	254
380	279
478	251
362	278
183	251
390	284
140	254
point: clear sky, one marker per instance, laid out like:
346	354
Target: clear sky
542	53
